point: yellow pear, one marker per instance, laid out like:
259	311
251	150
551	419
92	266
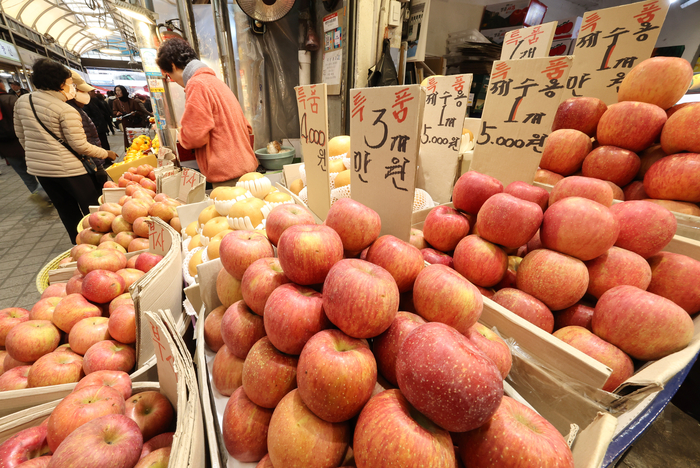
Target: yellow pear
296	186
213	249
278	197
251	176
195	241
339	145
194	261
342	179
215	226
207	213
335	165
227	193
191	229
249	207
222	234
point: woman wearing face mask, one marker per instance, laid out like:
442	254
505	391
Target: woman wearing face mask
39	115
124	105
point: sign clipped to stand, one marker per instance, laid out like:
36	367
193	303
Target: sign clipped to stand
384	123
192	185
159	240
313	122
532	42
611	42
441	134
521	101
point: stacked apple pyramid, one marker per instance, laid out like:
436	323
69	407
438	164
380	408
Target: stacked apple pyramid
101	424
92	315
645	147
310	347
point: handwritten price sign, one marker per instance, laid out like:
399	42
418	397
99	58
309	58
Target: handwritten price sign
159	241
521	101
441	133
190	180
532	42
611	42
384	127
313	123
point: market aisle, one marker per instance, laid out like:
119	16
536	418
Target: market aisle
30	237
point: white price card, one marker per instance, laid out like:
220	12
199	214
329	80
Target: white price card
313	122
191	183
384	140
532	42
164	345
158	242
521	101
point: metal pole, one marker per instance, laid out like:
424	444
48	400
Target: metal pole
223	39
184	10
12	37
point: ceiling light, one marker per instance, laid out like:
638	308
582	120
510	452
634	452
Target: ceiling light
688	3
110	51
135	12
100	31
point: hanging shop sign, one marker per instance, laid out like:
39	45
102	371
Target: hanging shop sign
313	123
148	61
532	42
521	101
611	42
441	133
8	53
384	124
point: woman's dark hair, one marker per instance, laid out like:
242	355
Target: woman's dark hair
49	74
125	93
175	52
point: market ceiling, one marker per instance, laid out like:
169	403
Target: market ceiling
76	25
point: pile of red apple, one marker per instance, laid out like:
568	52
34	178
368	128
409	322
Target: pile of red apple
573	262
99	425
77	328
316	356
644	147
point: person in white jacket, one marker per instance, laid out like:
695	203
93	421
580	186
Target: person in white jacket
58	170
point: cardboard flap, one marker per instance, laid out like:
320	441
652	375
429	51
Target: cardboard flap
190	212
166	351
291	173
113	195
192	185
207	273
592	443
193	299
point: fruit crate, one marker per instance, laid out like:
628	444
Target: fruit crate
42	278
116	171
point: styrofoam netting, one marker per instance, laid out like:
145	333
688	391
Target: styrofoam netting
223	206
341	192
189	279
258	187
303	195
302	174
422	200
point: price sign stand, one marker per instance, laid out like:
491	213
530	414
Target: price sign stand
192	185
521	101
384	124
313	121
611	42
441	134
532	42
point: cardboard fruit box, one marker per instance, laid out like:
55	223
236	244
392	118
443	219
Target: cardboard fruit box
115	172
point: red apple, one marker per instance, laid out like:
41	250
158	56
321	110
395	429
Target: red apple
402	260
228	288
493	346
391	433
10	363
226	371
15	378
120	225
109	355
671	275
25	445
74	285
151	411
558	280
43	309
71	310
28	341
564	151
631	125
160	441
601	351
675	177
357	225
645	228
124	299
244	427
480	261
447	378
677	207
515	433
444	227
159	458
508	221
212	329
101	221
635	191
137	245
110	260
80	407
268	374
679	133
617	267
307	253
581	113
611	163
386	346
528	192
134	209
111	441
55	368
118	380
526	306
89	236
433	256
163	211
658	80
336	375
577	315
80	249
9	318
54	290
259	280
241	329
130	276
239	249
293	314
360	298
440	294
87	332
417	239
140	227
147	260
471	191
298	438
642	324
102	286
543	176
579	227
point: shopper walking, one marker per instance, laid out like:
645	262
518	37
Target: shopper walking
42	118
213	123
106	107
131	111
97	115
12	151
17	89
